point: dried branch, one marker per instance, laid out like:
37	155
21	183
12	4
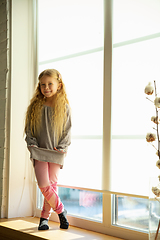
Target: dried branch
149	99
157	121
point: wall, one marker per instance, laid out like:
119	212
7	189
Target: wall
19	178
4	100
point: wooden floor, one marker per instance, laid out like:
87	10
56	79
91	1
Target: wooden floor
26	229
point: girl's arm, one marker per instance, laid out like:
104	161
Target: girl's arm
65	140
30	140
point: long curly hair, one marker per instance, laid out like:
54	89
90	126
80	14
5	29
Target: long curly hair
58	113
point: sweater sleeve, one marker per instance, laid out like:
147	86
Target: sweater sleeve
65	140
30	140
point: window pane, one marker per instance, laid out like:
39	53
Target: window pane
76	29
80	203
67	27
83	77
131	212
154	218
134	65
133	161
85	91
135	18
83	164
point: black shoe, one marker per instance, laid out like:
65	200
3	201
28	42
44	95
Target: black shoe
43	224
64	224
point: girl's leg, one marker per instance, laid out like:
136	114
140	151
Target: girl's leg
53	171
46	210
47	176
53	176
47	187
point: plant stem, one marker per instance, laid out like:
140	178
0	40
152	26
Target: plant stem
149	99
154	146
157	230
157	121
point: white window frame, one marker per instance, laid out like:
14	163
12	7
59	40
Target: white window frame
106	226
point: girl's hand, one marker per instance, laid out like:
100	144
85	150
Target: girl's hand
61	151
33	146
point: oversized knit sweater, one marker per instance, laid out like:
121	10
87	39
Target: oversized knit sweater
42	145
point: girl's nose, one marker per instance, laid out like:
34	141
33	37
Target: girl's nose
46	86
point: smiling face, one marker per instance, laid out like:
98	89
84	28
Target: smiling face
49	86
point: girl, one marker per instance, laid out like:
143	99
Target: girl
47	128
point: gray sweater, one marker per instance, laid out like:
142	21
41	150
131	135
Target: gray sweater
45	141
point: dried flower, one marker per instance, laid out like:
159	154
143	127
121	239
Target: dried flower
155	120
150	137
158	153
156	191
158	163
149	89
157	102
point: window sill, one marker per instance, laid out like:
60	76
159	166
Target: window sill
26	228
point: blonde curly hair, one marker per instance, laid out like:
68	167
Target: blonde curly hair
58	113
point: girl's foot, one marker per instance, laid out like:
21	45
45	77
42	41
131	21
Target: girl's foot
43	224
64	224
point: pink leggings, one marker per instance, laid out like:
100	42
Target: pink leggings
47	177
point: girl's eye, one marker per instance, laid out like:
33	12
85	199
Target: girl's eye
50	83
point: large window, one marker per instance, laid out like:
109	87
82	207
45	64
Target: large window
136	58
71	39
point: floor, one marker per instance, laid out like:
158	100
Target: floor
28	227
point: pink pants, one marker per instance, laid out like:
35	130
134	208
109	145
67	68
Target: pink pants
47	177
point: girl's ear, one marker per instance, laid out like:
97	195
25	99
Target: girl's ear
59	86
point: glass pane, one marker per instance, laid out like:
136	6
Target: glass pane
133	161
67	27
154	219
80	203
85	91
133	67
40	198
131	212
135	18
83	164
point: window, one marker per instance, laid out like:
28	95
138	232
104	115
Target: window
74	45
131	212
79	203
136	57
73	40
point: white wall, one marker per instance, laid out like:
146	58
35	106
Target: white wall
20	202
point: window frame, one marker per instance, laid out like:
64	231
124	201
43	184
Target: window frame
106	226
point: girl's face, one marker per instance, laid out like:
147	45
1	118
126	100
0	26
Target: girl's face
49	86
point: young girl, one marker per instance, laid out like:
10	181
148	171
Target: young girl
47	128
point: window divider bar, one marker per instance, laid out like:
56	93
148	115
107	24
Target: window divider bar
115	45
136	40
72	56
104	191
112	137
